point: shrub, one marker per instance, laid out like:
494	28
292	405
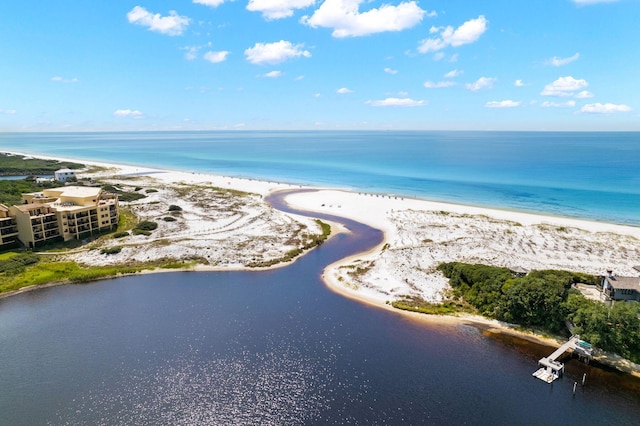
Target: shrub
151	191
169	219
174	208
137	231
121	234
17	263
146	225
111	250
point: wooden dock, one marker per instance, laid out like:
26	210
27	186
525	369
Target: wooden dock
551	369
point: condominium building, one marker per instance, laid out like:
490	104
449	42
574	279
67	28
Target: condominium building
8	227
64	213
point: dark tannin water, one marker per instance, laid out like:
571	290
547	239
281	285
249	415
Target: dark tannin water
272	347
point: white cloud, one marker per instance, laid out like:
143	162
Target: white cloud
599	108
481	83
273	74
439	84
502	104
216	57
558	62
586	2
454	74
390	71
212	3
298	78
585	94
466	33
128	113
564	86
347	21
172	25
274	53
344	90
277	9
548	104
191	52
8	111
59	79
518	83
396	102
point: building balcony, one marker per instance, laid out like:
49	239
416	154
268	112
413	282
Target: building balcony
7	226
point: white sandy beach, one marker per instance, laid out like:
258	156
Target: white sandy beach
419	235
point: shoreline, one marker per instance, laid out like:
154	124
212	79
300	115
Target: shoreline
143	170
371	209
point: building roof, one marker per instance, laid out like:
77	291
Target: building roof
74	191
628	283
4	208
26	207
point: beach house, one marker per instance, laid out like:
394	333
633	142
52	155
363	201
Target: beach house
620	288
63	175
64	213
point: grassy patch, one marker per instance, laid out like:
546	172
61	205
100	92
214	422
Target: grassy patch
416	304
15	165
50	271
124	195
127	220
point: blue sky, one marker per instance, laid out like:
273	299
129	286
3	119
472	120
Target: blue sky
72	65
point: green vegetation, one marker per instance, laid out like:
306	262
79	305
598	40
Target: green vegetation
545	300
15	263
127	220
416	304
45	272
174	208
151	191
124	196
121	234
615	328
169	219
145	227
11	190
16	165
315	241
111	250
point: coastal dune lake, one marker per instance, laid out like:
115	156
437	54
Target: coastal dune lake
273	347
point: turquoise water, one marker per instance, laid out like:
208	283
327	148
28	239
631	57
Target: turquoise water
591	175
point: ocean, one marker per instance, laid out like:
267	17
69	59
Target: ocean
587	175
